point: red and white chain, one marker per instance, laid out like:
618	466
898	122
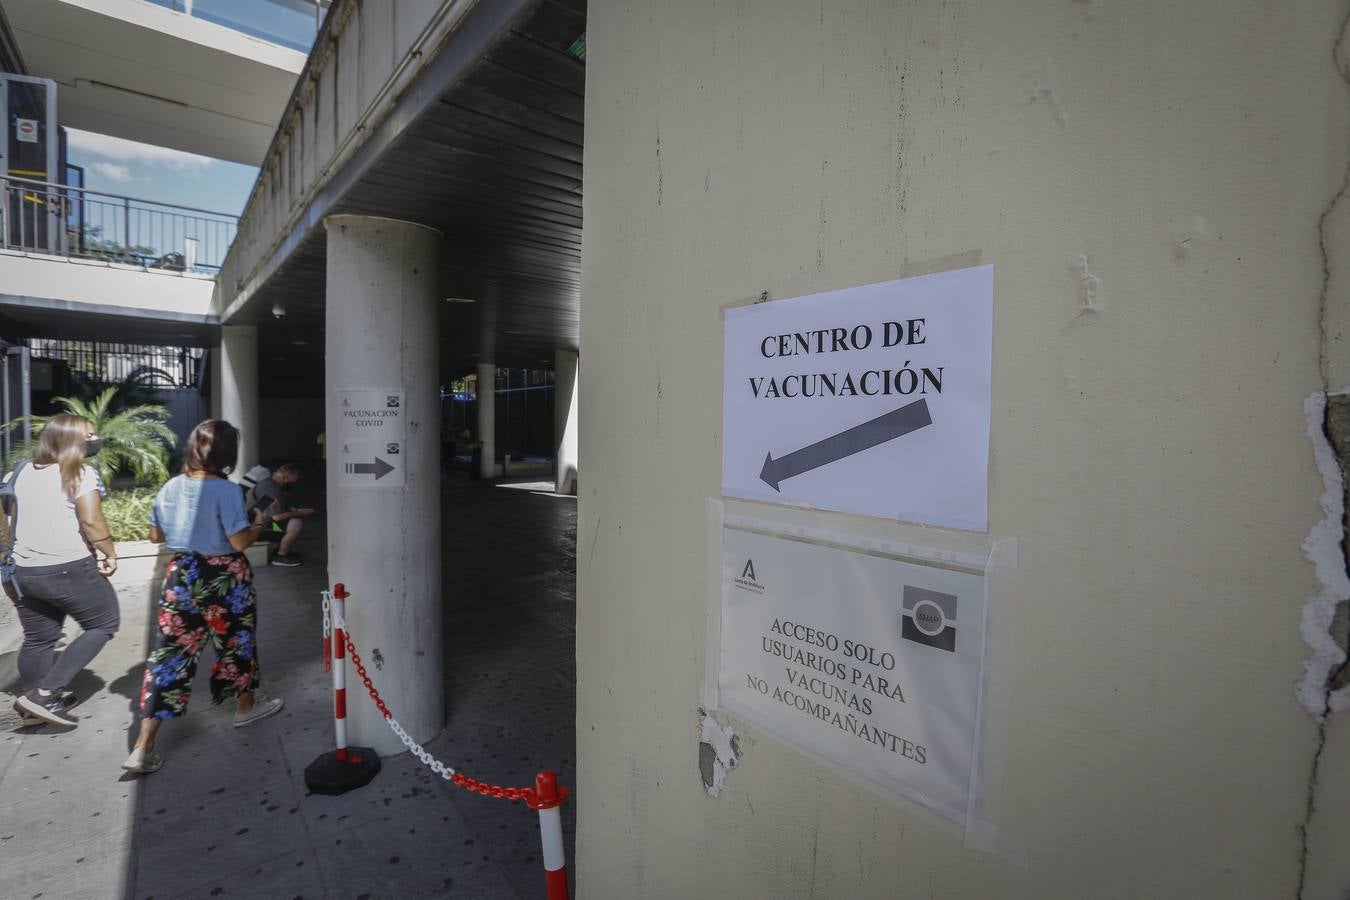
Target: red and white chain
327	632
420	752
431	762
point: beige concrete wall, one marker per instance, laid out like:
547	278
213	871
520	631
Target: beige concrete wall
1147	180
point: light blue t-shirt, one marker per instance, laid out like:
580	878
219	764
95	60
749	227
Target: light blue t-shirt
199	514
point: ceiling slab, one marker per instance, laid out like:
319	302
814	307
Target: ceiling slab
137	71
25	317
496	167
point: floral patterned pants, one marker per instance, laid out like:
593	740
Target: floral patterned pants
204	598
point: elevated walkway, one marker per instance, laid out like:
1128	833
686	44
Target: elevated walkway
82	299
85	265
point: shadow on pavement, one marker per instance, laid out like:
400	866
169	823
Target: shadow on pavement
229	815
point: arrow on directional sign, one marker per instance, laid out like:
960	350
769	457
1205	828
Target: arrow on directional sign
379	468
898	422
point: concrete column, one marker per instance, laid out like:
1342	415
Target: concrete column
384	539
215	353
565	421
487	418
238	390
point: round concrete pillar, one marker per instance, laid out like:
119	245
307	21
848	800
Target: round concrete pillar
487	419
238	390
565	421
384	524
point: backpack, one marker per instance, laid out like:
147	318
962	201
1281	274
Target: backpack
9	520
249	480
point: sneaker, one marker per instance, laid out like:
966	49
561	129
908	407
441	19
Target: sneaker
289	560
143	761
50	709
263	707
68	699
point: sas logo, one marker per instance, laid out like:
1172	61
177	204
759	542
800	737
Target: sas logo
747	580
928	617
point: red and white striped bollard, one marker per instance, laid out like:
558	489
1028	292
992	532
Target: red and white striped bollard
549	799
345	768
339	598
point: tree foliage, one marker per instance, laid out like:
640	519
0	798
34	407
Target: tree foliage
99	247
136	437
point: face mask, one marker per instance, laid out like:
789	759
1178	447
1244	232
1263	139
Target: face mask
92	446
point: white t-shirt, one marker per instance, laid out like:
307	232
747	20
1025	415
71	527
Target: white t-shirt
48	532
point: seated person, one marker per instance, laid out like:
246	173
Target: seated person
273	491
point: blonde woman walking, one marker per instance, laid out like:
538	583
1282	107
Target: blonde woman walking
58	532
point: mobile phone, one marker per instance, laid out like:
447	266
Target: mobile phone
261	505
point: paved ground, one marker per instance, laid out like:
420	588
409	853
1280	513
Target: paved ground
229	814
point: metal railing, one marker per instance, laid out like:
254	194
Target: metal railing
107	363
64	220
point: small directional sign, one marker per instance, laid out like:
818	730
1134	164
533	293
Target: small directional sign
379	468
372	435
873	400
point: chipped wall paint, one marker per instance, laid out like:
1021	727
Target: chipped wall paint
1089	287
718	752
1322	547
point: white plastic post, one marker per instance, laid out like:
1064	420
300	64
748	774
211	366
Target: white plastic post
340	669
549	798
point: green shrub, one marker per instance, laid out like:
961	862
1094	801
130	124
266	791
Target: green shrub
136	439
128	513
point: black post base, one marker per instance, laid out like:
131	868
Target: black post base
330	775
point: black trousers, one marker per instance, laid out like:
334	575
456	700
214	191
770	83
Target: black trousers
47	595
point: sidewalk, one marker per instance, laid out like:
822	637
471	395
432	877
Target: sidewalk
229	814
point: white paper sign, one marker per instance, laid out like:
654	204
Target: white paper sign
869	662
371	438
26	130
871	400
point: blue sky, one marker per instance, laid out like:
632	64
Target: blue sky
154	173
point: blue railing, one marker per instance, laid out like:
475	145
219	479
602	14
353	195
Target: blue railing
64	220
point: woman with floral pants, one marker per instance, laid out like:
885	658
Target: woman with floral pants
206	598
208	592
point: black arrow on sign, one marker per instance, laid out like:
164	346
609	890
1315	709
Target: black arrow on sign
379	468
897	422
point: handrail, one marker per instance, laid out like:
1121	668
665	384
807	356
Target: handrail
74	221
85	190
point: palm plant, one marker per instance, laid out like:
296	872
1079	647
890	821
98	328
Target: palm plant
136	439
